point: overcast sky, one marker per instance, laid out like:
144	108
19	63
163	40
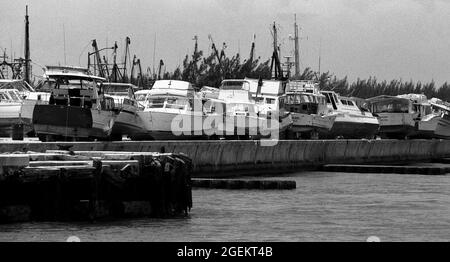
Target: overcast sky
407	39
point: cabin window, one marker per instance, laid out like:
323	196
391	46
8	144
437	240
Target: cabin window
270	100
176	103
327	96
390	107
3	97
344	102
141	97
156	102
259	100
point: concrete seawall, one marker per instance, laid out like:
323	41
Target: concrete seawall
219	158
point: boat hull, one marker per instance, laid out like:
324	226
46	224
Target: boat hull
128	123
396	125
73	122
303	123
352	126
173	125
10	114
443	127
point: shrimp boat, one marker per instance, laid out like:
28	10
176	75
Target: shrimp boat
128	122
309	110
77	108
351	121
407	116
170	114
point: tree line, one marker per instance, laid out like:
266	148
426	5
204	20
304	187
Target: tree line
208	71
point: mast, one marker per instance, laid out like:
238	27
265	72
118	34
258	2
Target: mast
275	66
27	48
127	43
296	50
252	50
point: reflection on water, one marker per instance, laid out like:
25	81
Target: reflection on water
324	207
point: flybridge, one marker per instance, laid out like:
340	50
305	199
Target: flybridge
70	72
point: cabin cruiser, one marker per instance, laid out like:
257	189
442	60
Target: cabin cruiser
29	97
173	110
269	97
405	116
237	113
351	121
442	108
10	111
309	110
128	122
77	107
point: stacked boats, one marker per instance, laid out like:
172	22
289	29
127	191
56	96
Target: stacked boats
411	116
78	106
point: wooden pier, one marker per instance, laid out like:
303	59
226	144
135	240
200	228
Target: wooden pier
62	185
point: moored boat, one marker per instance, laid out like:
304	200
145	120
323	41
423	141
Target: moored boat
309	110
170	111
351	121
29	98
269	97
77	108
407	116
234	114
128	122
10	111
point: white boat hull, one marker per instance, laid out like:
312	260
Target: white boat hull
161	124
311	122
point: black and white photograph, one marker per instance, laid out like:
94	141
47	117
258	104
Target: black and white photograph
224	121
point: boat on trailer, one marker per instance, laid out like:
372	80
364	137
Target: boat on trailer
77	109
351	121
309	110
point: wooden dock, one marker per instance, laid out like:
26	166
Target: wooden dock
62	185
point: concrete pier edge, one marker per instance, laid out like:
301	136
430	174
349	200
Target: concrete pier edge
224	158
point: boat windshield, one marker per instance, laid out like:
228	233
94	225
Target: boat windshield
10	96
390	106
300	98
235	85
176	103
116	89
141	97
233	107
74	84
156	102
167	102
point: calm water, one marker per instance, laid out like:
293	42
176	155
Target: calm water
324	207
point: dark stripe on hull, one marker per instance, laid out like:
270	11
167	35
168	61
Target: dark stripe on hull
351	130
127	128
397	131
66	121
